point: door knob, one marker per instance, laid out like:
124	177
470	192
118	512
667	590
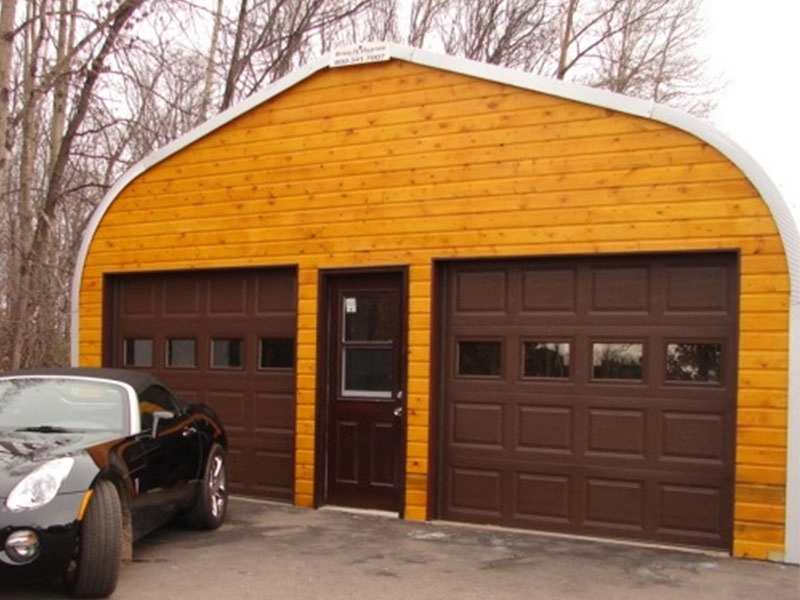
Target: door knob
398	411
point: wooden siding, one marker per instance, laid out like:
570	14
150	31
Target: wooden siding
400	164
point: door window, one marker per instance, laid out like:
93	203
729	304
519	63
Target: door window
369	326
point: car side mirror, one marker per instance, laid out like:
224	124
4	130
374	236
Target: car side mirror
160	415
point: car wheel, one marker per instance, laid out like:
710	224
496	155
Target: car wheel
93	573
209	509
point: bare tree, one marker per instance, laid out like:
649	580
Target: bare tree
644	48
52	65
7	15
272	37
377	21
208	82
501	32
650	53
424	19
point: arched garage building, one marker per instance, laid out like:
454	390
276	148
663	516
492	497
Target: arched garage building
449	290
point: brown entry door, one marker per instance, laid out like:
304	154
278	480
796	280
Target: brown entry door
364	391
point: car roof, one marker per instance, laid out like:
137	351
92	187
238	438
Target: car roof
138	380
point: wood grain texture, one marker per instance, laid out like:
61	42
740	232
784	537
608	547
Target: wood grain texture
399	164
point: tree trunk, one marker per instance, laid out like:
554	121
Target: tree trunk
212	51
7	14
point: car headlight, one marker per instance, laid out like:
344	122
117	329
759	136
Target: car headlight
40	486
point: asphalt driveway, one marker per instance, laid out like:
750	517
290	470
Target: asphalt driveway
274	551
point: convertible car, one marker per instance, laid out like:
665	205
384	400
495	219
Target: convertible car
92	460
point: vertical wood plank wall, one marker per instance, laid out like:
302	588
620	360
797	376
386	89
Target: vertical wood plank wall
399	164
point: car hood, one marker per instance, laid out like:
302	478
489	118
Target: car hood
22	452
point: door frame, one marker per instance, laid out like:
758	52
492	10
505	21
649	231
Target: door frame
326	278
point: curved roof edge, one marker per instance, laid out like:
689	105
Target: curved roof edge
781	212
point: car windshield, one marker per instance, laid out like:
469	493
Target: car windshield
56	404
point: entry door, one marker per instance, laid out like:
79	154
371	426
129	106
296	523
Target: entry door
364	391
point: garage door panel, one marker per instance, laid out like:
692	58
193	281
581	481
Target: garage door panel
227	296
271	440
474	491
274	412
237	467
181	297
616	380
543	499
694	436
698	289
544	428
620	290
616	432
613	503
276	293
691	510
226	338
477	424
232	407
481	291
269	472
550	290
137	299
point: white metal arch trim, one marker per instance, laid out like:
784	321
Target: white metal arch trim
780	210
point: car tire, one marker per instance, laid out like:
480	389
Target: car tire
210	507
94	572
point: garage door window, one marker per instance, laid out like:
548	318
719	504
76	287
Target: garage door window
138	352
695	362
276	353
480	358
614	360
181	353
227	353
549	360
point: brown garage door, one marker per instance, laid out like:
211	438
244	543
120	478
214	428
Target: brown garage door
592	396
225	338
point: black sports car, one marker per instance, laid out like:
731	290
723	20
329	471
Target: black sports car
93	459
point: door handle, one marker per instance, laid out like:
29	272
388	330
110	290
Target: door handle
398	411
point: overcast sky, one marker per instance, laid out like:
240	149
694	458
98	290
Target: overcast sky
753	44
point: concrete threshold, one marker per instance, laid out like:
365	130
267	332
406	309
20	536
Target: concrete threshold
386	514
589	538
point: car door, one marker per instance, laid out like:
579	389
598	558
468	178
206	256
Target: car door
172	456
